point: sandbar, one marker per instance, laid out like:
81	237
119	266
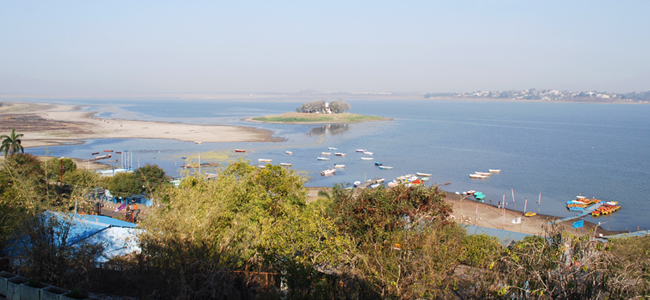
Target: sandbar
54	124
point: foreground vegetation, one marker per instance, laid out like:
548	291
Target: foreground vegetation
249	233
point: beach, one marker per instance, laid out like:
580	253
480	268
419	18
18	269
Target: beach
53	124
481	214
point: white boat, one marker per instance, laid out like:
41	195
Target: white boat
385	167
423	174
392	184
360	150
289	153
261	166
366	158
197	142
323	158
339	154
328	172
380	180
477	176
425	179
339	166
374	185
332	148
285	164
367	153
495	170
264	160
326	153
357	183
483	173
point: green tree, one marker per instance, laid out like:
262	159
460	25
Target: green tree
125	185
152	177
23	192
407	247
245	219
53	167
11	143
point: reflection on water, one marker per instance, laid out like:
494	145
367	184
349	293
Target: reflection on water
332	129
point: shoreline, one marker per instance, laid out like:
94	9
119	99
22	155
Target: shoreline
57	124
486	215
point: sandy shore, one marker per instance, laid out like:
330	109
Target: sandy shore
49	124
485	215
482	214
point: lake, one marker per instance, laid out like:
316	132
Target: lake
557	149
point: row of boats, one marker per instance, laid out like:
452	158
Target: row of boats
479	196
484	175
595	207
408	179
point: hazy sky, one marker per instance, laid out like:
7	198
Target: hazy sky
82	47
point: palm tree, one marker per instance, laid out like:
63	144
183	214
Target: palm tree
11	143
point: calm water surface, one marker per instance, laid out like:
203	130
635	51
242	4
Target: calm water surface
557	149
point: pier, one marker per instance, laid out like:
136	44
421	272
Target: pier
587	211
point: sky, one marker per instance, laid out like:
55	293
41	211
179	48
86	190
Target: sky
131	47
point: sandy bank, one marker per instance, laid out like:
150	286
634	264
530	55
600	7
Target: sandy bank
49	124
485	215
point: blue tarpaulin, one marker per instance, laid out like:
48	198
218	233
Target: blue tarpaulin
578	224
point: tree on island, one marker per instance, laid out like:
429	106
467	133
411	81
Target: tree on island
12	143
320	106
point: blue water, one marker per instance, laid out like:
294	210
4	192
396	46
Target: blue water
557	149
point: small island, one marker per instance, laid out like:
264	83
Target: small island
319	112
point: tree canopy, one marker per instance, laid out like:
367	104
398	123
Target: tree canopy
321	106
11	143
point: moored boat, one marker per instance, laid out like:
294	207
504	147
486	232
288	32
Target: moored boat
368	153
494	170
483	173
605	209
240	150
423	174
339	166
332	148
328	172
530	214
378	163
366	158
360	150
285	164
385	167
264	160
326	153
477	176
323	158
289	152
339	154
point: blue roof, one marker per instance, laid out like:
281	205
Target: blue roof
104	220
83	227
506	237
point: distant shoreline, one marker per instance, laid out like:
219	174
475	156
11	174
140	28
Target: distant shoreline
283	97
55	124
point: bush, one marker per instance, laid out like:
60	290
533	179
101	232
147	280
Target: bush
480	250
